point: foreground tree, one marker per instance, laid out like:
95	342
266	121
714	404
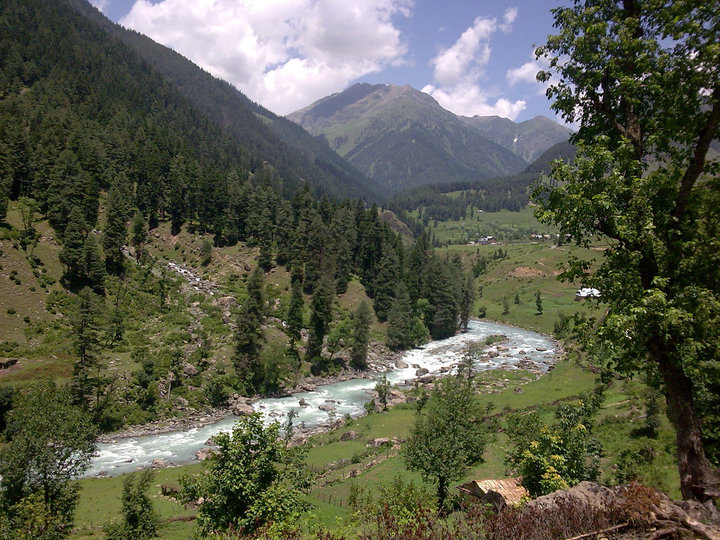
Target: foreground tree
640	77
140	521
50	444
253	479
559	455
448	437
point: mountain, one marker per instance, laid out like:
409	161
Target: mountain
295	154
563	150
402	137
528	139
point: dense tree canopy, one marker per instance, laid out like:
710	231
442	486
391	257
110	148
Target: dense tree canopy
254	478
641	79
50	444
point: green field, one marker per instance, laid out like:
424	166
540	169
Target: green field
333	459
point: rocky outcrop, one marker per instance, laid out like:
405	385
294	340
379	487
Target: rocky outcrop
622	512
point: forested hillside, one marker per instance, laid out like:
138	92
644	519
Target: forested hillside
293	152
106	164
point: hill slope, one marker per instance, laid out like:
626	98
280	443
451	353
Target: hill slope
292	151
403	138
528	139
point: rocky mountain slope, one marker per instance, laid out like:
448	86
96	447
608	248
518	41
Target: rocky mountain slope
403	138
528	139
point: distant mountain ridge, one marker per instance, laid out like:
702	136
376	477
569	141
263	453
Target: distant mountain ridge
403	138
528	139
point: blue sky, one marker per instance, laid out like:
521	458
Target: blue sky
474	57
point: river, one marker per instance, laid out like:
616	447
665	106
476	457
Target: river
523	347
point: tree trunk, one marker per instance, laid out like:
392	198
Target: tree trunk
442	493
699	479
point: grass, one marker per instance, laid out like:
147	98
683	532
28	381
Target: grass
504	225
44	348
100	504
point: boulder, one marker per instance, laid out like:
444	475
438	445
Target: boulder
159	463
377	443
204	453
303	402
242	409
189	370
400	364
225	302
349	436
326	408
422	371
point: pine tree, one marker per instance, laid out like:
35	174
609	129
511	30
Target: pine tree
468	297
400	320
284	232
538	303
256	294
94	263
295	310
138	235
115	231
248	342
85	325
320	318
249	336
442	298
72	255
383	288
361	321
265	257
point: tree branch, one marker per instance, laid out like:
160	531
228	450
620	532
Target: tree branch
706	134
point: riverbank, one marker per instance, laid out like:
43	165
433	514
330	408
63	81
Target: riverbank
380	360
320	404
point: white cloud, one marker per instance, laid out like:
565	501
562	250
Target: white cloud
458	69
100	4
470	99
527	73
283	54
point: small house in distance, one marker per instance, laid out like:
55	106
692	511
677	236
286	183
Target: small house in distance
497	493
585	293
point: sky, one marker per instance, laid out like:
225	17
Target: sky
473	57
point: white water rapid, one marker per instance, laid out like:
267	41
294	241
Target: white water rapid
524	348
